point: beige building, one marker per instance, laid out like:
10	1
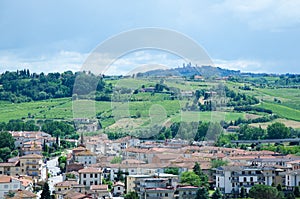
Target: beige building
31	165
10	168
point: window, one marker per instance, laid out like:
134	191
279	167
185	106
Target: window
245	179
166	194
91	175
119	188
90	162
84	182
96	182
251	179
84	175
5	186
96	175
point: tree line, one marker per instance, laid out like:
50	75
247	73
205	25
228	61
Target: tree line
23	86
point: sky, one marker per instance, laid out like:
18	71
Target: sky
247	35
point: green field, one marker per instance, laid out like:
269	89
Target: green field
214	116
57	108
282	111
147	106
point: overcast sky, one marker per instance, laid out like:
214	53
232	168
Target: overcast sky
254	35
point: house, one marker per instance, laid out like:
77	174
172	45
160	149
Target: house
100	191
21	194
90	176
186	192
86	157
65	185
8	183
187	93
118	189
232	129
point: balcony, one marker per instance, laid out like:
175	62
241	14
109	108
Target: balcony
32	169
32	163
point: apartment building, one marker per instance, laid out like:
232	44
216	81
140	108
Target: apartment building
230	179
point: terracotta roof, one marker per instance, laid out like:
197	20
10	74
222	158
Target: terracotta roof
99	187
33	143
67	183
183	187
86	152
19	194
31	156
80	148
5	179
74	195
25	182
90	170
8	164
133	161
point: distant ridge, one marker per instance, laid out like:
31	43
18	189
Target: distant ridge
189	71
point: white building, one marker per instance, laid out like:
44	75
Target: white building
230	179
118	189
90	176
8	183
86	157
292	178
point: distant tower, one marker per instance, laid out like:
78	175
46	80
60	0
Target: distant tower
81	140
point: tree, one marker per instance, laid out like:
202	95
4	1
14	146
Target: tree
202	193
189	177
218	163
243	192
172	170
198	171
264	192
120	176
7	140
46	192
279	187
217	194
62	162
116	160
5	154
297	192
278	131
290	196
131	195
